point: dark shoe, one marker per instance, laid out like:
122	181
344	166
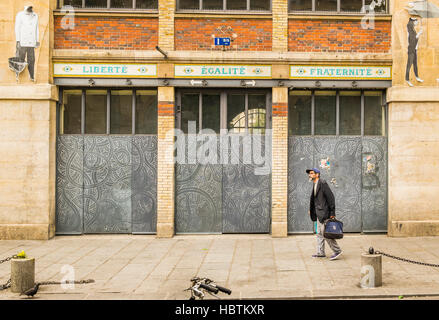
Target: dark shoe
319	256
335	255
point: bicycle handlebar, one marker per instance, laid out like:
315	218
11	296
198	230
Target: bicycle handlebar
225	290
209	288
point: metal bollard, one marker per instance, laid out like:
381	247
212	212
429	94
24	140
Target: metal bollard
371	270
22	274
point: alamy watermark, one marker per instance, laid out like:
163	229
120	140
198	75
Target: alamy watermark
68	280
207	147
368	20
68	20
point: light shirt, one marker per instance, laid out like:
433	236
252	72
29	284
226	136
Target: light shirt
315	187
26	28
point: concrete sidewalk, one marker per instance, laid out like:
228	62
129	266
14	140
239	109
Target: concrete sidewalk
252	266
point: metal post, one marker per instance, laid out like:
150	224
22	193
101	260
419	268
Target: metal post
60	113
108	111
133	115
313	104
246	112
337	113
200	111
83	112
362	113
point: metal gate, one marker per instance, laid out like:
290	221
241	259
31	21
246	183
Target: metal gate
246	195
226	196
355	169
198	195
106	184
222	198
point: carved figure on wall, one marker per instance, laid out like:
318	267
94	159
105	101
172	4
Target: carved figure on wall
412	50
417	9
26	35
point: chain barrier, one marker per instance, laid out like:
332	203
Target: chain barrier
8	283
44	283
7	259
372	251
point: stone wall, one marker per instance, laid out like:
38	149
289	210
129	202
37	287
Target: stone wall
413	123
413	161
27	132
428	46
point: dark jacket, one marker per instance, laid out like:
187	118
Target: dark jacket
412	37
324	205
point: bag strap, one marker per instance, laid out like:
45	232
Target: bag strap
333	220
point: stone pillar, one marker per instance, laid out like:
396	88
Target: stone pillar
280	25
413	124
22	274
413	150
279	175
371	270
27	130
165	163
166	24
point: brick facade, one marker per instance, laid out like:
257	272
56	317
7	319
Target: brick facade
269	35
142	33
165	162
166	24
196	33
280	25
280	109
108	33
338	36
279	175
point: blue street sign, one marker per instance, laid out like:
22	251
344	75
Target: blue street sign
222	41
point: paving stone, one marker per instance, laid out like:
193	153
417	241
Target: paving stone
182	274
253	266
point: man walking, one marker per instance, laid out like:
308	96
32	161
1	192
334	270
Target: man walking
322	207
26	34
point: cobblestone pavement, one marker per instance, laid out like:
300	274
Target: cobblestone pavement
252	266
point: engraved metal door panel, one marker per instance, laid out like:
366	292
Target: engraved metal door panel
198	193
300	157
69	185
246	192
107	184
356	171
144	184
111	187
339	159
374	184
222	196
